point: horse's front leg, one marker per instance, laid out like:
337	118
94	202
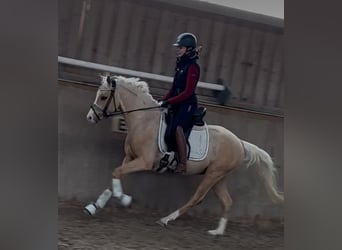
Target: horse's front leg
136	165
128	166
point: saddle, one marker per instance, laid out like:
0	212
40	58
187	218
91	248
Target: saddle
197	120
197	138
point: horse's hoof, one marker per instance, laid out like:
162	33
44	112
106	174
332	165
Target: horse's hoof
90	209
161	223
215	232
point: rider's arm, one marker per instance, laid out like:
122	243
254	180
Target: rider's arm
168	94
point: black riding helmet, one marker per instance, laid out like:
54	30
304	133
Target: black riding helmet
187	40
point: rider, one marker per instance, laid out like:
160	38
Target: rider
181	96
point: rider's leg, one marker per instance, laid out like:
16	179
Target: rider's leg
181	148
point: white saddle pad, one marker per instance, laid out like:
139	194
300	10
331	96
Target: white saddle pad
198	139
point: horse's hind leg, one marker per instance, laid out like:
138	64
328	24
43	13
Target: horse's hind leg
222	194
207	183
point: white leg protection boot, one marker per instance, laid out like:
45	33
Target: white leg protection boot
125	200
100	202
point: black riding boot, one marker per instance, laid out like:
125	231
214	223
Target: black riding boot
181	148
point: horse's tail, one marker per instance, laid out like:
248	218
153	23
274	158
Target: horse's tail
266	170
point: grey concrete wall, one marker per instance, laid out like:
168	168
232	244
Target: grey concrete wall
88	153
247	56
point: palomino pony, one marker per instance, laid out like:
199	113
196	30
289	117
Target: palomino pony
226	152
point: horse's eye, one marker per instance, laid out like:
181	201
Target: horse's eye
103	98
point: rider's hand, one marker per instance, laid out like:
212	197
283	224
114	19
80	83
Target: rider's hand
164	104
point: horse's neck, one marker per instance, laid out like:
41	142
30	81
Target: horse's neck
132	101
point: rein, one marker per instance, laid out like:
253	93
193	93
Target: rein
129	111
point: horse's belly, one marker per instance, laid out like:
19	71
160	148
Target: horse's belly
196	167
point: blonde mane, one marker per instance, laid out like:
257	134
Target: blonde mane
133	83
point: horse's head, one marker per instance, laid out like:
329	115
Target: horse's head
105	102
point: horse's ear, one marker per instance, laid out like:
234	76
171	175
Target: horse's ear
111	82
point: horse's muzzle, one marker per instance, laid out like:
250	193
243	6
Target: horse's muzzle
92	118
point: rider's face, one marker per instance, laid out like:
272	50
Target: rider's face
180	51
